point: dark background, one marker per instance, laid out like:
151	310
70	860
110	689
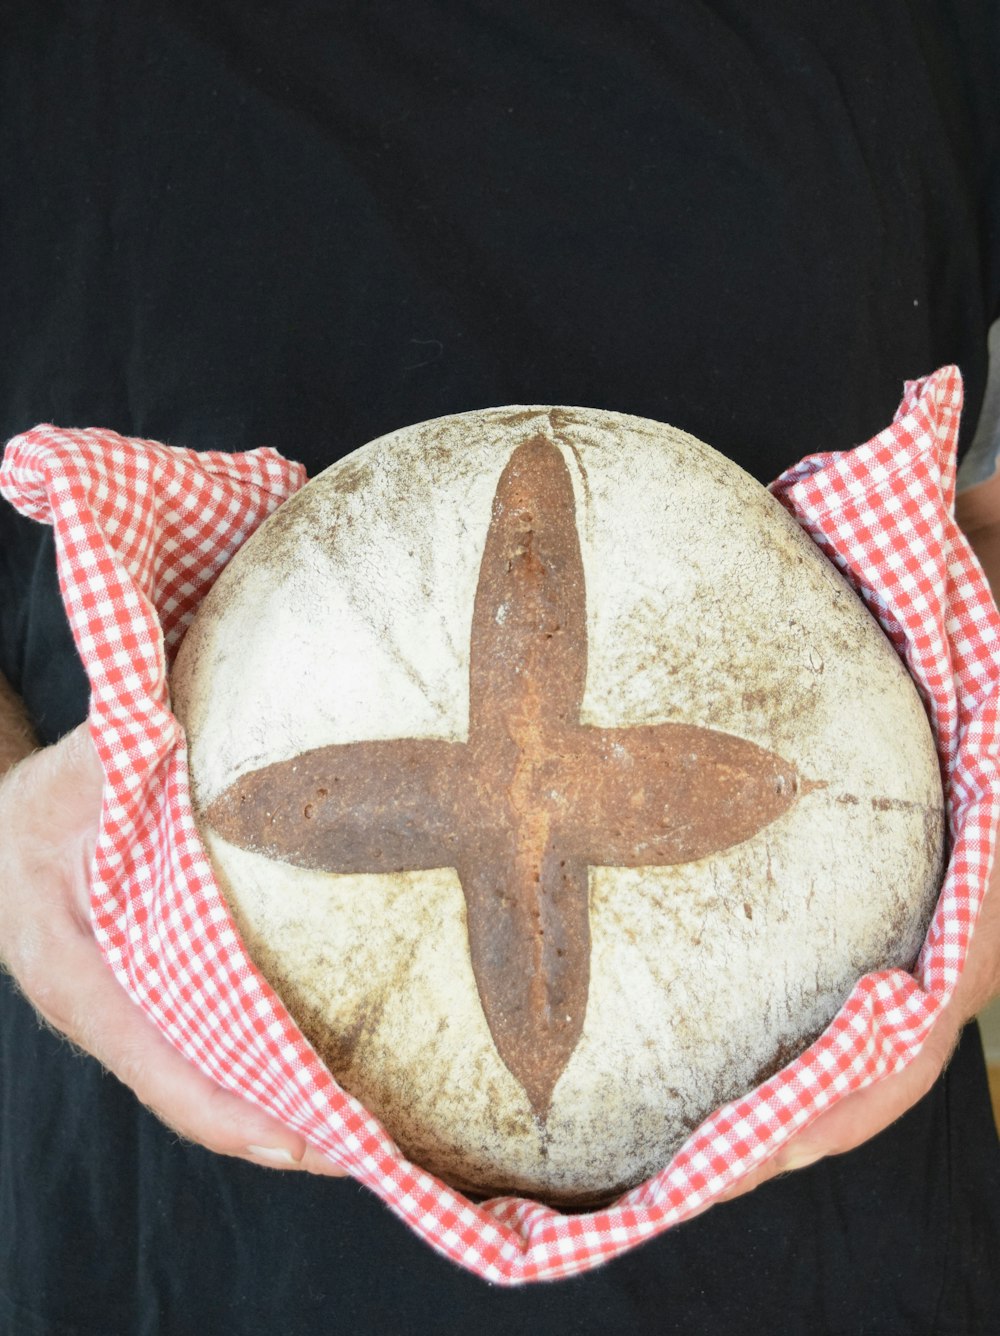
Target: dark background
228	225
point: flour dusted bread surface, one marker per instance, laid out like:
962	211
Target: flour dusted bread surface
558	783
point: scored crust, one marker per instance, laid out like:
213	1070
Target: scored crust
561	831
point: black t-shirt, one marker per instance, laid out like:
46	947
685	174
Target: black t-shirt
305	225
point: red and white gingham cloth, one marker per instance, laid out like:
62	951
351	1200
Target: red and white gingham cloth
142	530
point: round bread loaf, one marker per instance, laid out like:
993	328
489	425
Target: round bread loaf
560	786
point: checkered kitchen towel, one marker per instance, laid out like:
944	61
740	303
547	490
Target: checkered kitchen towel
142	530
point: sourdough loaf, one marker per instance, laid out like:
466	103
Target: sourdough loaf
560	786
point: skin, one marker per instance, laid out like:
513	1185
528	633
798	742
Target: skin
863	1115
51	798
50	802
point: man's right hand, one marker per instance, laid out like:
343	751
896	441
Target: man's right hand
50	806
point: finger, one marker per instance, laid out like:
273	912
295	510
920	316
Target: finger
70	769
862	1115
857	1117
52	800
78	753
98	1015
62	973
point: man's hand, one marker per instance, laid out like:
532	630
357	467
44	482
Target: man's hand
860	1116
50	806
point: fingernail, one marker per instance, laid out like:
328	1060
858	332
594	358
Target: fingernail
798	1160
276	1155
317	1163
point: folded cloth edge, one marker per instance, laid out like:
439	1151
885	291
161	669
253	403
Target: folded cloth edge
529	1241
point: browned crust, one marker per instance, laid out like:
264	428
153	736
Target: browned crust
532	799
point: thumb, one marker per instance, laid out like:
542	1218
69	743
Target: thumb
52	810
70	776
75	755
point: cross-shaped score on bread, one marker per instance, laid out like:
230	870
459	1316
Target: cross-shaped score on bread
532	799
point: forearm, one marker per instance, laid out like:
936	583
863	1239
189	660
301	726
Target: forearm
977	511
986	544
17	737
